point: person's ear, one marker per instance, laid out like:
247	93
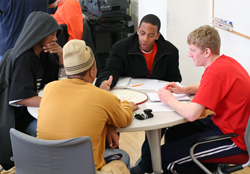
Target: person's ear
208	52
158	35
138	29
92	71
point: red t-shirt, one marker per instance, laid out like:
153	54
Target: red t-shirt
150	57
224	88
69	12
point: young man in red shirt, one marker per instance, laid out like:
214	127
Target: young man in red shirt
224	89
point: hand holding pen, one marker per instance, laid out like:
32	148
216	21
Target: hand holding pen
165	95
174	88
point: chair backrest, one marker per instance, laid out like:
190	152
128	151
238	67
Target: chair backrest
247	142
247	136
243	158
33	155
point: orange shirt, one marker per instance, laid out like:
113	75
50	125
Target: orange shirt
150	57
69	12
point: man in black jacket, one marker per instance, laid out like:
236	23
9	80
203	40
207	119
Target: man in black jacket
145	54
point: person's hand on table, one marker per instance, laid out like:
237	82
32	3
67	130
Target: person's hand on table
134	106
173	87
112	137
165	95
106	83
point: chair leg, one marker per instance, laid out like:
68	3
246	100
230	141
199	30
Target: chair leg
219	169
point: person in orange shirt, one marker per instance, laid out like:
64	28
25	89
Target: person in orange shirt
145	54
69	12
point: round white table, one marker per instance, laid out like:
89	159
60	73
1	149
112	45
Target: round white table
152	127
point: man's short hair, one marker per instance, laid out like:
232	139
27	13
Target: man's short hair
152	19
205	37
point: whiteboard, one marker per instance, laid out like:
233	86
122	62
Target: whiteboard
236	11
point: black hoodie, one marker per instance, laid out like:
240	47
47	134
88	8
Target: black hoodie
37	26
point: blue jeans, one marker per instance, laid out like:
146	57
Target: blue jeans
125	157
31	129
1	58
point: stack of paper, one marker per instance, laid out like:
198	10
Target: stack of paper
132	83
140	83
122	83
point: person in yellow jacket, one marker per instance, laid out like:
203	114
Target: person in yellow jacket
74	107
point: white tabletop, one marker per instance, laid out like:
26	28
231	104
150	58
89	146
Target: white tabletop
160	119
33	111
151	126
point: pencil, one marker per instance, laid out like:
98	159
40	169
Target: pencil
137	85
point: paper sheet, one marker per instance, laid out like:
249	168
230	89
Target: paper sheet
142	83
122	83
159	107
154	97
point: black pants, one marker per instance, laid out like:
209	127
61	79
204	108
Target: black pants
175	152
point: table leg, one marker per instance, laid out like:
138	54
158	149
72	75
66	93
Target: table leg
154	140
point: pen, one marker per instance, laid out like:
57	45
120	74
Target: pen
167	88
137	85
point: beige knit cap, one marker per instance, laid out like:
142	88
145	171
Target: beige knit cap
77	57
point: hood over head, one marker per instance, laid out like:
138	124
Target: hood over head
38	25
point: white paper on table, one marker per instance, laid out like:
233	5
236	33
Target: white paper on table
181	97
143	83
40	93
159	107
163	84
122	83
154	97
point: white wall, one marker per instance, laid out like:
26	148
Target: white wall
237	47
157	7
179	18
183	18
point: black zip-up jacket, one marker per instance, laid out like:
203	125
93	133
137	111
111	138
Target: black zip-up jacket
126	59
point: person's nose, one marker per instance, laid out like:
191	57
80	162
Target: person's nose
145	38
189	54
54	38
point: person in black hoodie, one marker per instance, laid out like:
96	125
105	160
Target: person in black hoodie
33	62
145	54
